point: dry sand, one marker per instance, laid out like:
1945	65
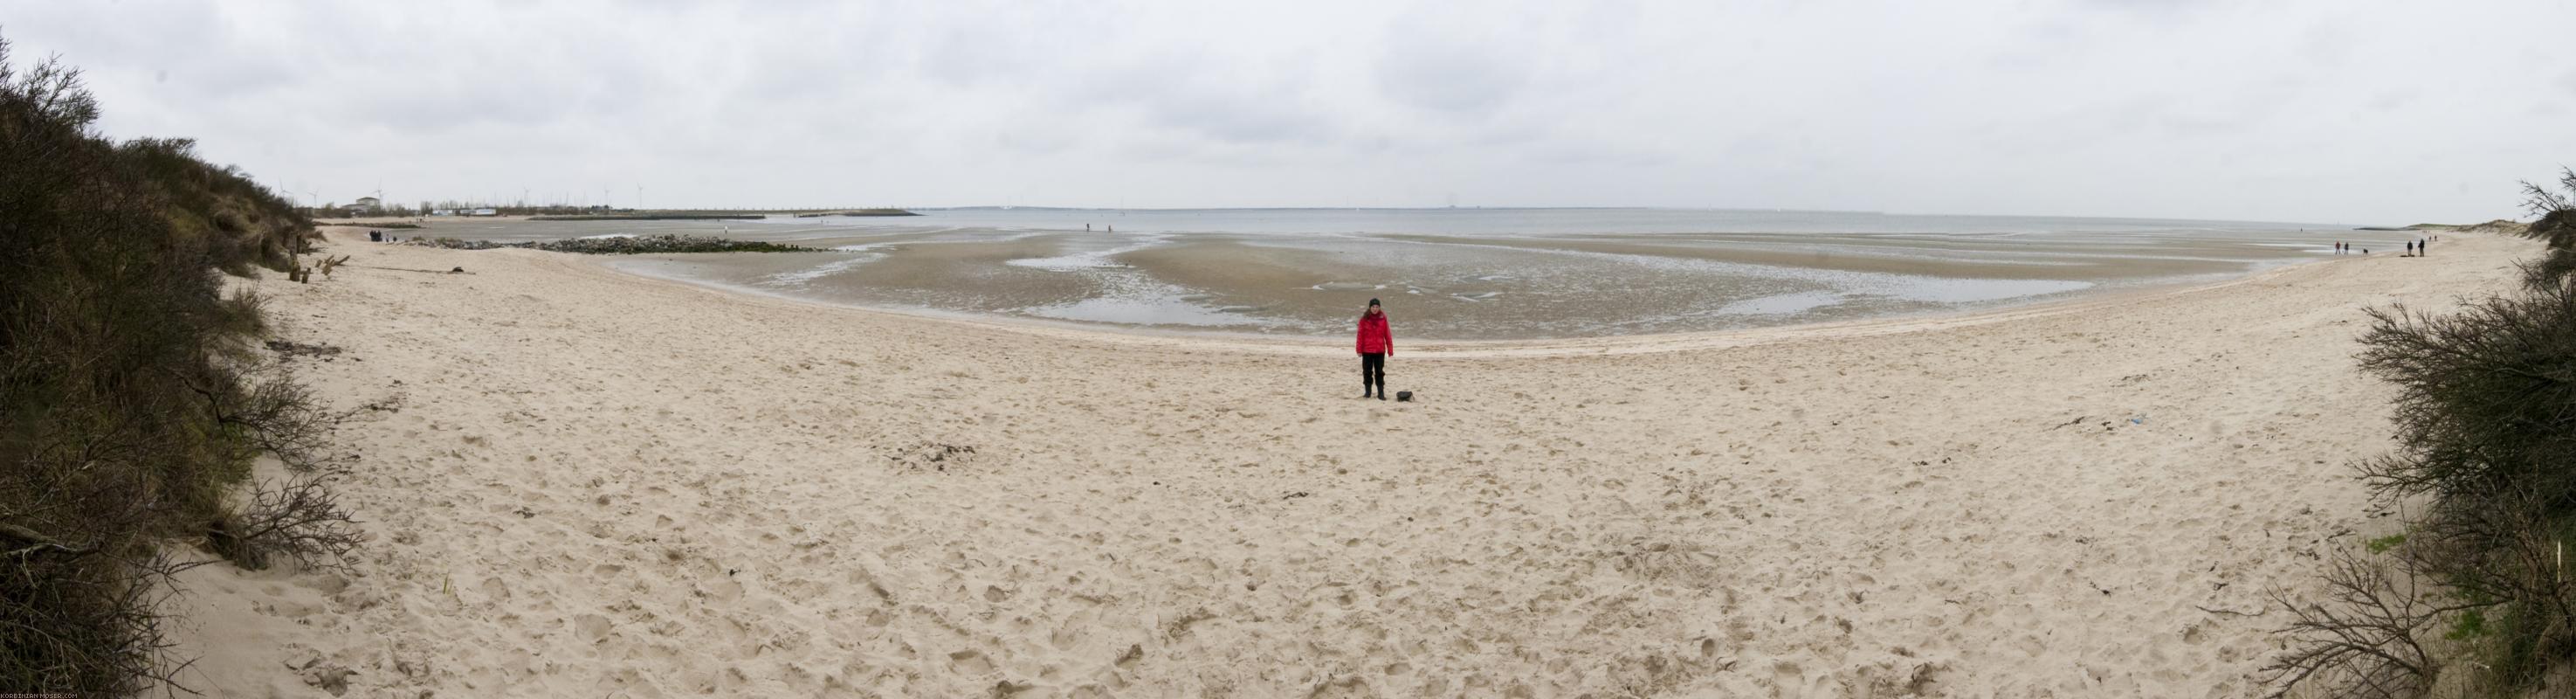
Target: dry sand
604	485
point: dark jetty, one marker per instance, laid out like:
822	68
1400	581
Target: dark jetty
638	245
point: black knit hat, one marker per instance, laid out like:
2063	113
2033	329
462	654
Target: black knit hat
1372	302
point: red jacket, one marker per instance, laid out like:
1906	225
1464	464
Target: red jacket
1374	338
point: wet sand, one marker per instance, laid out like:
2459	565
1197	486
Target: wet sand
1975	259
1484	286
1465	288
973	277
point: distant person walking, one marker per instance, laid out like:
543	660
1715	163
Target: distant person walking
1376	344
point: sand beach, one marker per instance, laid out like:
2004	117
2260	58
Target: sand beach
582	482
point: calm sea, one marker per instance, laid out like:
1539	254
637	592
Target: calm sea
1455	273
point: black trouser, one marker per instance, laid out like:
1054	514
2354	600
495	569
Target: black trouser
1372	372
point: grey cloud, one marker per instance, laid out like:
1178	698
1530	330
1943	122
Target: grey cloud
1244	118
2390	100
1449	76
2125	107
968	58
1192	91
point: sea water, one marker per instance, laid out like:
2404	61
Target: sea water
1456	273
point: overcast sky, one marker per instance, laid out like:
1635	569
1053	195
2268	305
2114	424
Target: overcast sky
2330	111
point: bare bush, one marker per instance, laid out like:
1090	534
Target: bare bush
90	620
2367	636
2487	398
280	417
2556	228
298	519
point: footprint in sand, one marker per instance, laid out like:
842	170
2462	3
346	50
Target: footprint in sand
721	590
969	662
591	627
1789	675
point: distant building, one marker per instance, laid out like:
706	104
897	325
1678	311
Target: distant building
368	203
486	212
443	212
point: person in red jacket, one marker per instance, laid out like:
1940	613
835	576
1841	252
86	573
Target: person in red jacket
1376	344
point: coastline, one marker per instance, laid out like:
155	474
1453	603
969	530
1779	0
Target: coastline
603	482
1682	341
1551	285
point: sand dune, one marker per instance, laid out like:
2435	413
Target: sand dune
603	485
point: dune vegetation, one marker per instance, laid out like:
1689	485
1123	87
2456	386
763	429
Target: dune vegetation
135	398
2475	596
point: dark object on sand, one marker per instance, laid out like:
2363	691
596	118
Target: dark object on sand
649	244
459	270
375	236
1404	396
858	212
294	349
652	217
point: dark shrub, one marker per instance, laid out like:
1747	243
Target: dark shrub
2486	425
127	409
